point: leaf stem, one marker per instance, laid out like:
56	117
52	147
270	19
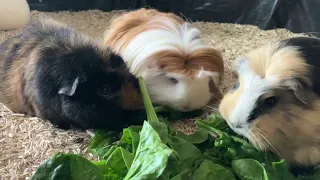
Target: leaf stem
151	114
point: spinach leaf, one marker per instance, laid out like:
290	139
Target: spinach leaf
130	138
228	147
117	165
186	151
282	171
209	170
185	175
162	130
175	166
102	142
67	167
151	156
198	137
249	169
151	113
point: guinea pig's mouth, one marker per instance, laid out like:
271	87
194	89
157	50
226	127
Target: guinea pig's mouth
240	130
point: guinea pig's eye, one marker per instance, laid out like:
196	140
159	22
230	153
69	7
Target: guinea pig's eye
105	90
270	102
175	81
235	86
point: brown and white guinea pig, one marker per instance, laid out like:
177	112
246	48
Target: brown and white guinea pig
275	104
53	72
179	69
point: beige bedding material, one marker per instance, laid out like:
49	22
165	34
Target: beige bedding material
26	142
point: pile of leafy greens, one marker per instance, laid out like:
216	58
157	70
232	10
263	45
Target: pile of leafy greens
158	151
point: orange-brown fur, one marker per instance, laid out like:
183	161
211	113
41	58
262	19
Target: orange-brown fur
127	26
130	24
124	28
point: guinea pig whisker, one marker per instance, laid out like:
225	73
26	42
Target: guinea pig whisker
259	131
211	108
255	140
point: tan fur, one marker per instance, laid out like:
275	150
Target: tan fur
22	70
284	63
295	138
15	99
227	103
290	130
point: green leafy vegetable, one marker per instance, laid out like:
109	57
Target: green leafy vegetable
151	157
151	113
249	169
186	151
209	170
130	138
281	170
156	150
103	142
67	166
117	165
198	137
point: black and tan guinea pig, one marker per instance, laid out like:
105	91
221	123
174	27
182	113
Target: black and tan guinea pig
53	72
275	104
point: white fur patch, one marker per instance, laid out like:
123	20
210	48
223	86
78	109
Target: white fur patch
187	94
254	87
171	37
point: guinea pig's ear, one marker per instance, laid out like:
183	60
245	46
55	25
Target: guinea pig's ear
299	87
114	61
69	87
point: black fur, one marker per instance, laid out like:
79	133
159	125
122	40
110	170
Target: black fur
75	84
310	49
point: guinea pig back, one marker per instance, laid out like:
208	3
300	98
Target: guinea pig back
179	69
275	103
53	72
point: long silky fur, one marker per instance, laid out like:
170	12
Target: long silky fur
41	41
148	39
289	69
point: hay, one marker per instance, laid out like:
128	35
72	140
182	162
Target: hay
26	142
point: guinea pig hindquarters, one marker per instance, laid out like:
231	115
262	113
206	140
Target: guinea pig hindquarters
55	73
275	103
179	69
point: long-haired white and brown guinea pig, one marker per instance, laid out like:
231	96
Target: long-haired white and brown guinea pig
53	72
179	69
275	104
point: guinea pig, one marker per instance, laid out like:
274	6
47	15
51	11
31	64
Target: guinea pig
53	72
180	70
275	104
